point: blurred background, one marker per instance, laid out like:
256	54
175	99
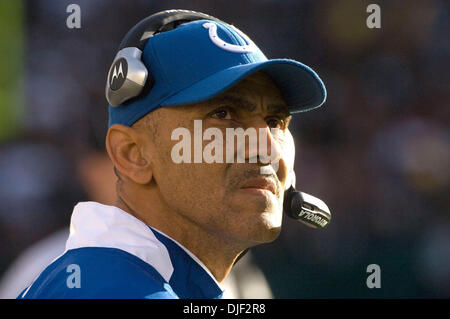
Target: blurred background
377	153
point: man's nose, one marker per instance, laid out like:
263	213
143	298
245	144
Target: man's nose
265	148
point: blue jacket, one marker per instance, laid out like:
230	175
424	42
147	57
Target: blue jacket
112	254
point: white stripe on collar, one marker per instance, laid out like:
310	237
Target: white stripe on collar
198	261
96	225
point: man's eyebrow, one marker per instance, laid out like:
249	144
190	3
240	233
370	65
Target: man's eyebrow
248	106
279	109
234	101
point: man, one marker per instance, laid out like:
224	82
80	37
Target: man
178	226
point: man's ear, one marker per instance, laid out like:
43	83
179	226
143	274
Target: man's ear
126	152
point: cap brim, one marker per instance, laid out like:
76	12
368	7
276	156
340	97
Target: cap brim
301	87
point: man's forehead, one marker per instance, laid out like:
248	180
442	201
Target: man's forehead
250	90
243	102
246	95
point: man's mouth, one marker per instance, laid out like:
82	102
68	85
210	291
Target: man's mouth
260	184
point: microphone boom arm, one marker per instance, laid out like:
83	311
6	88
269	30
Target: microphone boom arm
306	208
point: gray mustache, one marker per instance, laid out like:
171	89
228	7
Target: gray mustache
256	172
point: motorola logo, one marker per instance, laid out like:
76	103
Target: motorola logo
118	74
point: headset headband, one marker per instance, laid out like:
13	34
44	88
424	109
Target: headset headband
127	75
160	22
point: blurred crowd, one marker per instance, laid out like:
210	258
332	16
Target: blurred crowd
377	153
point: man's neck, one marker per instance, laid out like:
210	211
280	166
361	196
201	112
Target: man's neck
215	253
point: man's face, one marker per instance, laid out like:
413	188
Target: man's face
231	200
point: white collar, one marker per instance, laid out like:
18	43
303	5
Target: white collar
195	258
97	225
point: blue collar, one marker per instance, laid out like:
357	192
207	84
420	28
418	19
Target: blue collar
189	279
97	225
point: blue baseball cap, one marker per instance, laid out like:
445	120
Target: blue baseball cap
201	59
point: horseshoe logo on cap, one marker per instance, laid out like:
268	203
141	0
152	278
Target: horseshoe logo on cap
212	29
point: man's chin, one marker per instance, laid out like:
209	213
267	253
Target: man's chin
257	203
259	220
272	225
264	236
267	229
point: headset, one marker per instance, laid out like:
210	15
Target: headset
128	77
306	208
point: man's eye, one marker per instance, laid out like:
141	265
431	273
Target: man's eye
222	114
274	123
